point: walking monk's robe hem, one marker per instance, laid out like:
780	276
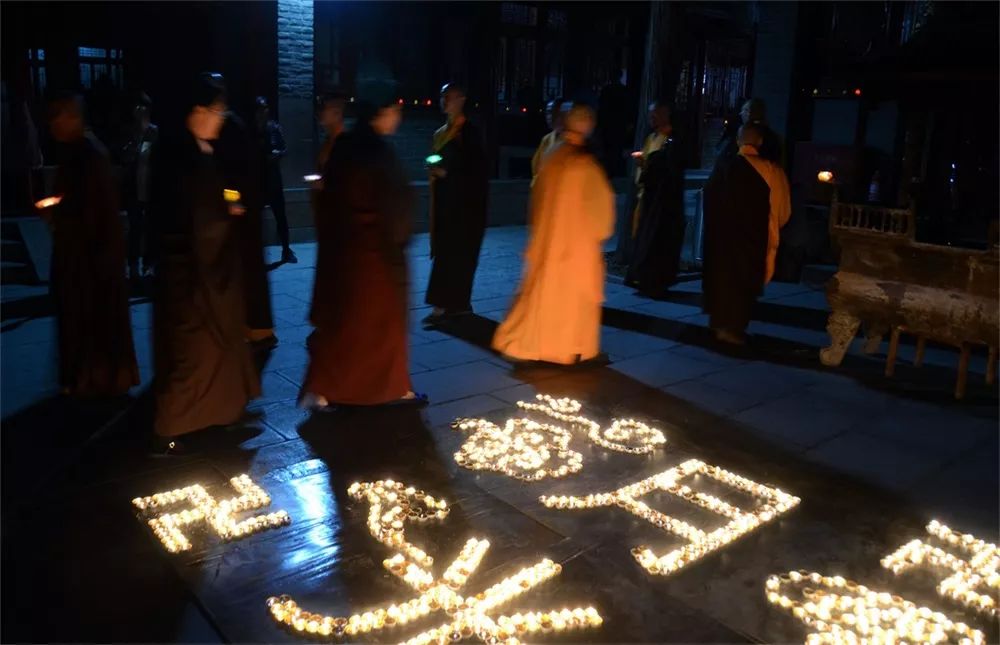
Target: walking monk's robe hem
556	315
358	354
96	352
458	217
204	372
737	207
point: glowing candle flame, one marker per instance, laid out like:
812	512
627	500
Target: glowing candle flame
48	202
231	195
825	176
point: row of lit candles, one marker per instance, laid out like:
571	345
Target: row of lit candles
624	435
741	522
167	527
391	505
470	614
980	570
522	449
843	611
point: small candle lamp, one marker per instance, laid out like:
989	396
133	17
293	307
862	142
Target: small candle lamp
48	202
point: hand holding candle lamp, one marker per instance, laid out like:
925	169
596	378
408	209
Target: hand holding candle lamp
232	198
45	205
433	166
315	181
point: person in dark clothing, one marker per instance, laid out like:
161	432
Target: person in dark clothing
612	115
271	146
459	196
135	159
242	172
96	354
746	204
772	149
358	351
660	230
204	373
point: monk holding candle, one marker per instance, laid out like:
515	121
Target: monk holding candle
204	373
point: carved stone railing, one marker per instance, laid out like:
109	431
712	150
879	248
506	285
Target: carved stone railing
876	219
895	285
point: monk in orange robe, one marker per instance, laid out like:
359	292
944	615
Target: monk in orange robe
556	316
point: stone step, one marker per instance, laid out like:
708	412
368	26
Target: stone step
817	275
17	273
12	250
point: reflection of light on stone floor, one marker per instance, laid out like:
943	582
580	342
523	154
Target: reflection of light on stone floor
312	495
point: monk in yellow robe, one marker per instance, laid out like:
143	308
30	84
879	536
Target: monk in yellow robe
556	316
553	117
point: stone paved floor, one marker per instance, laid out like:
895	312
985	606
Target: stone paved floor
882	455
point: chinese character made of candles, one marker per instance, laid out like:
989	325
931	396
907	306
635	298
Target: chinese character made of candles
531	451
841	611
204	508
774	503
979	571
469	616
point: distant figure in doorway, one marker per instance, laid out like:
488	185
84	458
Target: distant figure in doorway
754	111
330	114
358	351
96	354
747	201
459	196
244	171
553	117
204	373
556	315
271	147
660	231
135	159
613	119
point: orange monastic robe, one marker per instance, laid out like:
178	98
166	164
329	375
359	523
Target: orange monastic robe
556	316
781	203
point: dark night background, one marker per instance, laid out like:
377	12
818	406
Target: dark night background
926	73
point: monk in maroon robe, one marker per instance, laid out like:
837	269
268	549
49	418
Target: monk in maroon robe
358	351
96	354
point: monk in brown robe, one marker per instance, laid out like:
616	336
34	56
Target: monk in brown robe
358	352
204	373
96	354
556	316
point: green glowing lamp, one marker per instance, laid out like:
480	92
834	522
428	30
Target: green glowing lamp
433	159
